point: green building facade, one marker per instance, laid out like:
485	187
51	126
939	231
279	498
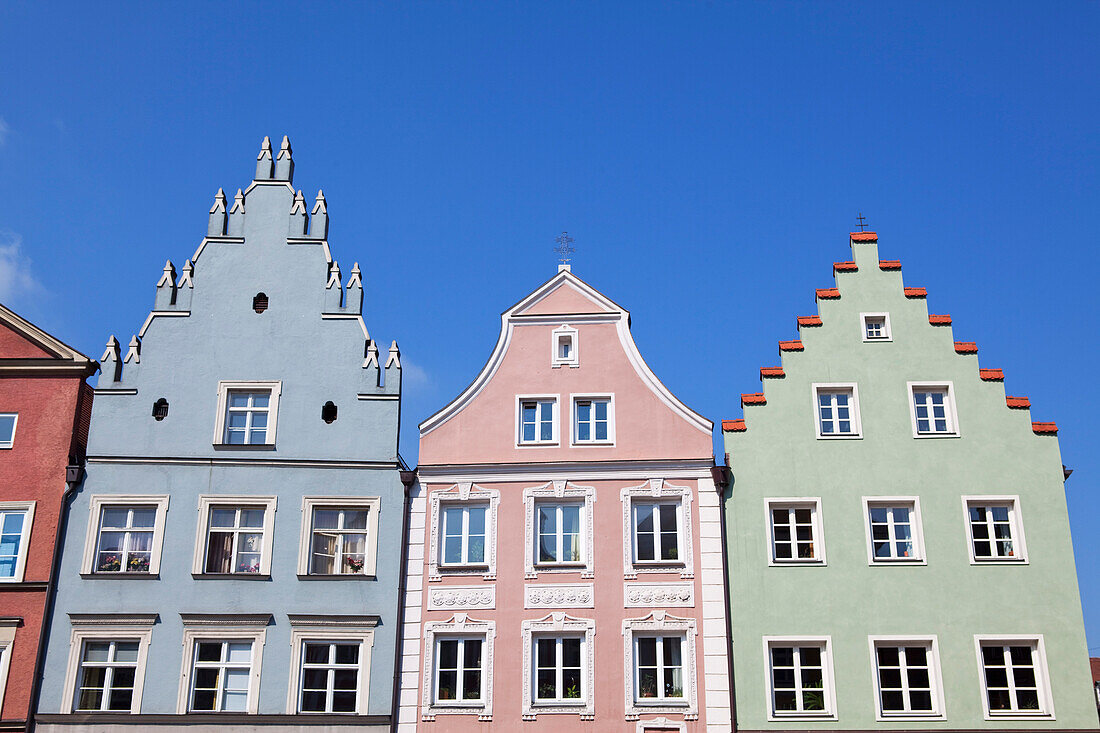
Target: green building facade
899	550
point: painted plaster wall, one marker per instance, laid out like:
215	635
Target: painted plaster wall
996	453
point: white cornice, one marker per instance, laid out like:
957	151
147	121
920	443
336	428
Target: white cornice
154	314
507	472
239	461
57	348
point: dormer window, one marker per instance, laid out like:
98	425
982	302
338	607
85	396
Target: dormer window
563	347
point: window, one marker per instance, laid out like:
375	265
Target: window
558	669
593	420
235	535
657	532
894	532
7	428
458	671
796	531
328	412
907	678
799	678
563	347
463	535
15	532
538	421
221	675
876	326
339	541
125	535
1014	680
559	531
247	413
8	626
107	673
659	668
837	410
259	302
933	410
996	533
330	677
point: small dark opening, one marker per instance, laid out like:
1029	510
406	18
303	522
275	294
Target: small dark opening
259	303
160	409
328	412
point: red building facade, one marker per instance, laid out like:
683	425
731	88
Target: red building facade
44	408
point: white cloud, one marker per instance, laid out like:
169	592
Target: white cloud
16	279
413	376
4	130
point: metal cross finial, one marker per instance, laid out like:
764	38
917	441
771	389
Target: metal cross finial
563	249
862	219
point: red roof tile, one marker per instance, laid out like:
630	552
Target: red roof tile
753	398
1018	403
795	345
845	266
939	320
1094	662
828	293
966	347
1045	428
889	264
992	375
772	372
734	426
809	320
864	237
916	293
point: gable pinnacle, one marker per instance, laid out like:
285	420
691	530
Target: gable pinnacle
265	166
395	356
238	203
218	217
318	223
356	278
372	356
168	276
299	205
333	275
219	202
319	207
113	352
284	163
134	350
187	275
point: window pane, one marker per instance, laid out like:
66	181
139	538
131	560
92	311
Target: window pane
126	651
316	653
347	654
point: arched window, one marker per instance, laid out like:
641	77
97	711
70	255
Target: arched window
160	409
259	303
328	412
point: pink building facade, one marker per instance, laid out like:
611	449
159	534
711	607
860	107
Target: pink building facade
564	542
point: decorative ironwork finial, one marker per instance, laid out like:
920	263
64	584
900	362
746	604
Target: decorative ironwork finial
564	249
862	221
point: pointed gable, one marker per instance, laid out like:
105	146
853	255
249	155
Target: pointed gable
21	339
563	297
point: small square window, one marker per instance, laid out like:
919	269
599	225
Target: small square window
995	529
563	346
538	421
876	326
894	532
837	411
593	420
795	532
7	429
907	678
933	410
1014	677
247	413
657	532
800	680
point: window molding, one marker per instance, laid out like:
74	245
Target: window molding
222	627
574	398
208	502
1046	698
888	335
224	387
663	624
27	508
916	528
458	625
565	625
1016	518
790	502
107	627
829	387
574	360
373	504
10	443
828	679
7	638
939	706
563	492
952	413
658	490
350	628
459	494
96	504
555	421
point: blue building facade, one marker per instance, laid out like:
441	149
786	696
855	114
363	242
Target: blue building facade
232	558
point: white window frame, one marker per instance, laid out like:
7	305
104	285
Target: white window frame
573	335
657	560
219	628
657	491
96	504
813	503
660	623
464	493
7	638
949	403
373	505
559	624
574	428
1016	519
831	388
106	627
887	333
555	417
26	508
935	680
915	526
828	679
224	388
460	626
559	492
206	504
10	443
330	629
1042	675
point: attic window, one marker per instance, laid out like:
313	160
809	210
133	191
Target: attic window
160	409
564	347
259	303
328	412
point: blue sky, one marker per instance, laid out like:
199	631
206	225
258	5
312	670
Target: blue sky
709	159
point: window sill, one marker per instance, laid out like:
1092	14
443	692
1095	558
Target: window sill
783	562
657	703
119	576
229	576
922	436
337	576
660	564
538	444
908	717
243	446
998	561
577	566
471	706
773	717
898	561
541	704
593	443
480	567
1017	715
841	436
